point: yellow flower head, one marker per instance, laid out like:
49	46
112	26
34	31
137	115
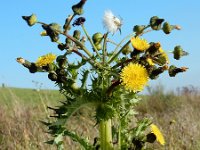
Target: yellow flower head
139	44
134	77
45	60
159	136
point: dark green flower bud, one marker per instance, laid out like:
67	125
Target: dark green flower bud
61	79
49	67
154	47
138	29
60	72
157	71
52	76
178	52
167	28
53	30
78	8
31	66
126	50
97	38
156	22
62	61
61	46
77	34
31	20
151	138
173	70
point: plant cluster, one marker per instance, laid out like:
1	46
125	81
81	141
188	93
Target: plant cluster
106	79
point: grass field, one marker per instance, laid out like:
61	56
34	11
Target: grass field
176	113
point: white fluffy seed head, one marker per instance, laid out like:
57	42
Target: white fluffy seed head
111	22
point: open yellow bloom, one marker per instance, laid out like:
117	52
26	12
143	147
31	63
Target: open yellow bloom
45	60
139	44
134	77
159	136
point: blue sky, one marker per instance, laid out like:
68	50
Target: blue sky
17	39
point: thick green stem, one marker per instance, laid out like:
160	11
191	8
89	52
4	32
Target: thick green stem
105	131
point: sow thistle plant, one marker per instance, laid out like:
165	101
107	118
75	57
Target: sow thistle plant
105	78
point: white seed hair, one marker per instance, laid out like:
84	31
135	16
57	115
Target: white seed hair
111	22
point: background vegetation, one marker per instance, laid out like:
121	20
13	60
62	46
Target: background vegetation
176	113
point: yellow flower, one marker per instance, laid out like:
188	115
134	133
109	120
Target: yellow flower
45	60
134	77
139	44
159	136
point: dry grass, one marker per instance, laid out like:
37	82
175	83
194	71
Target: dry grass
177	114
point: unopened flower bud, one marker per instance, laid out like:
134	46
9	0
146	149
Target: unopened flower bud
138	29
173	70
62	61
31	20
78	8
156	22
61	79
60	72
53	30
178	52
77	34
126	50
167	28
48	67
31	66
52	76
79	21
154	47
157	71
151	138
61	46
97	38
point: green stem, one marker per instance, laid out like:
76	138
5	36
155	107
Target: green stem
105	131
91	42
119	136
104	48
116	51
68	23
